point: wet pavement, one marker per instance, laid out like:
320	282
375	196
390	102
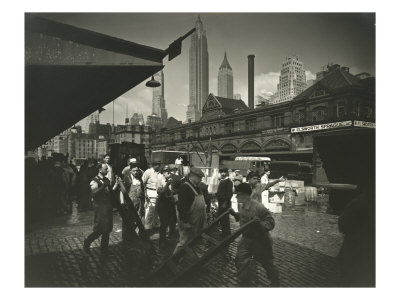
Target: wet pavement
306	242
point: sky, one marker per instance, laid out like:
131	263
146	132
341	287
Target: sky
347	39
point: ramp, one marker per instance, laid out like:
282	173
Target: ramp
177	268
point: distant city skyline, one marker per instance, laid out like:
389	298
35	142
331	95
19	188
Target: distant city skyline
317	38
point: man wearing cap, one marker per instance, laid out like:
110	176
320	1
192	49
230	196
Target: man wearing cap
191	208
152	180
253	178
102	192
224	195
166	207
256	241
127	169
132	198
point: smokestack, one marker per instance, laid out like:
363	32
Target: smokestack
251	81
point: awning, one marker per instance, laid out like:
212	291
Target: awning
72	72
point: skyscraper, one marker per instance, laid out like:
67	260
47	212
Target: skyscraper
93	118
225	79
292	80
158	98
198	72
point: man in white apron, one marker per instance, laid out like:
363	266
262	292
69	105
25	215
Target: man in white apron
191	208
152	180
264	180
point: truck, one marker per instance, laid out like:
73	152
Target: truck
121	153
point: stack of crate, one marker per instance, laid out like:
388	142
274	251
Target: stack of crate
276	197
289	193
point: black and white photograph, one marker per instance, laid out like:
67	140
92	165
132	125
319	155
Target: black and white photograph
199	149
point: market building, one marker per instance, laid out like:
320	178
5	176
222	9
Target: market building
283	131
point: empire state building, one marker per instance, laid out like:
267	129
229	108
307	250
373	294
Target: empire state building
198	72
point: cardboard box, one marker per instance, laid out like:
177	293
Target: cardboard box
276	197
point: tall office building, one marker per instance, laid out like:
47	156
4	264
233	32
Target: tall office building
292	80
93	118
198	72
158	98
225	79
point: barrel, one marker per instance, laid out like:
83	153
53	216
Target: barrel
311	193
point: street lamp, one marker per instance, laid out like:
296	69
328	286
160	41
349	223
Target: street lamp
153	83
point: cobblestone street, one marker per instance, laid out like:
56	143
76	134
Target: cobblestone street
305	246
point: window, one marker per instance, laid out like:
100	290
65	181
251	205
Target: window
318	114
357	109
229	127
301	115
278	120
183	135
341	110
369	112
251	124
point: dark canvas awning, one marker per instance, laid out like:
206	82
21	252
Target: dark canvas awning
72	72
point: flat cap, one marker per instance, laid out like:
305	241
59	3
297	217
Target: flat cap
196	171
243	188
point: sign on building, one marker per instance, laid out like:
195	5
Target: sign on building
322	126
364	124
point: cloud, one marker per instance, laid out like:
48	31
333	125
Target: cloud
264	84
310	75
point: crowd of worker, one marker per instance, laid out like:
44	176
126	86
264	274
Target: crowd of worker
178	205
165	198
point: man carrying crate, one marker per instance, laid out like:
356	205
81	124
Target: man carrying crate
256	241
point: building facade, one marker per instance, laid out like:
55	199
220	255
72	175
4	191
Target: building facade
225	79
47	149
283	131
100	131
154	122
292	80
198	72
138	134
79	145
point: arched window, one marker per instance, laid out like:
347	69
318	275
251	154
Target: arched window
277	145
250	147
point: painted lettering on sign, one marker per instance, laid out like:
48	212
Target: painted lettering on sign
364	124
322	126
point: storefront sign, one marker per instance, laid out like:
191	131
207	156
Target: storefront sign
364	124
322	126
